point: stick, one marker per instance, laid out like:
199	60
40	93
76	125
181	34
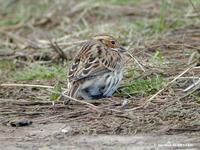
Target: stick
136	62
152	97
89	104
79	101
26	85
51	87
60	52
191	86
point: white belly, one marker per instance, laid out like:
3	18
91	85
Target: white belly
103	85
115	80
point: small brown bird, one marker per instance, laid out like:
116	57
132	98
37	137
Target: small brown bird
97	69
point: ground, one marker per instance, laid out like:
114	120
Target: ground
156	106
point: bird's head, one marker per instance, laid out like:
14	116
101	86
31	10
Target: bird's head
109	42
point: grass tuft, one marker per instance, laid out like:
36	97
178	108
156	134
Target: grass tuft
157	59
6	64
143	86
56	92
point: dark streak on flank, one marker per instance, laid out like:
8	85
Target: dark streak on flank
87	65
74	66
77	61
99	50
103	60
91	59
106	63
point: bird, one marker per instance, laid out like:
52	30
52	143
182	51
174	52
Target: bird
97	69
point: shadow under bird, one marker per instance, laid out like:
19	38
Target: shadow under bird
97	69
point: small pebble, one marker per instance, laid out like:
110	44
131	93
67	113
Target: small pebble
125	102
66	129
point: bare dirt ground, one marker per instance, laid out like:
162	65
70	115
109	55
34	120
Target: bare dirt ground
56	128
50	136
158	104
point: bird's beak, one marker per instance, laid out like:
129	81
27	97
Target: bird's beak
122	49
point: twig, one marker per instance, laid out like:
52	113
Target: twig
137	62
28	85
25	85
82	102
190	92
189	78
161	90
89	103
51	87
198	67
169	83
192	86
60	52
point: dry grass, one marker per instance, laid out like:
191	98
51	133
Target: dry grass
161	35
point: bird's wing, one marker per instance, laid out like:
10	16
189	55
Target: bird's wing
93	59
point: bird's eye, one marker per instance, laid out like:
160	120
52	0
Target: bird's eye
113	42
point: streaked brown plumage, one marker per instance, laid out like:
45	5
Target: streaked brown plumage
97	69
